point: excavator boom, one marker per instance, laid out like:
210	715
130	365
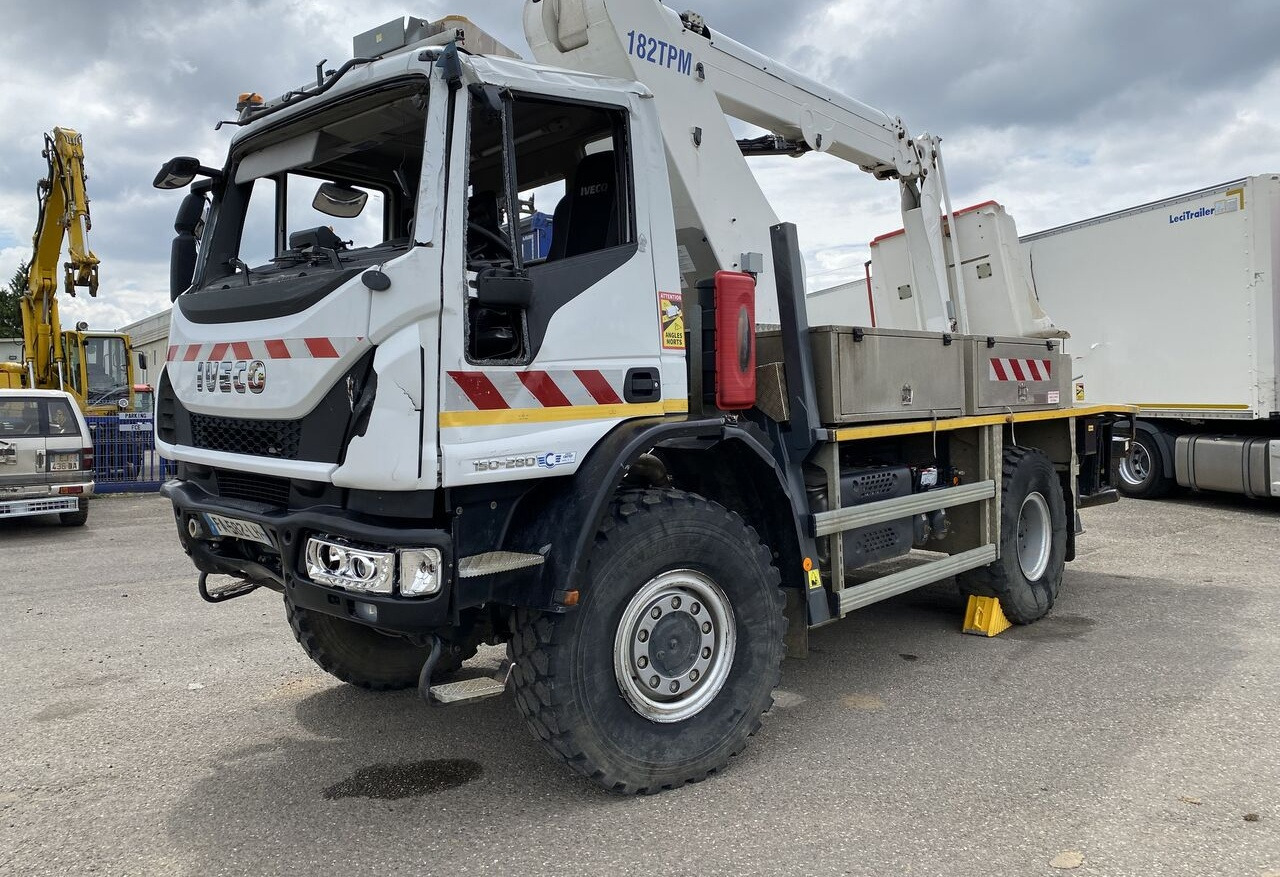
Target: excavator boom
95	367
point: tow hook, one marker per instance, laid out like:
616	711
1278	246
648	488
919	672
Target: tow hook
231	590
424	678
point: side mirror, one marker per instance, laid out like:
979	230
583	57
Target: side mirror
504	288
179	172
142	361
182	254
342	202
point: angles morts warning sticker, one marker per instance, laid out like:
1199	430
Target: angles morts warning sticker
671	314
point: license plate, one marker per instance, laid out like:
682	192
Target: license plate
64	464
238	529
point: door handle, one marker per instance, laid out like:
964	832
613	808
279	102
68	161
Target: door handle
642	385
41	457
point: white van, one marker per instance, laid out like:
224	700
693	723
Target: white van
46	456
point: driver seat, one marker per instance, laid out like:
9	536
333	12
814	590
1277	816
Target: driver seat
586	219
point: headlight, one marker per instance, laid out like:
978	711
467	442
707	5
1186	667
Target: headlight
419	571
343	566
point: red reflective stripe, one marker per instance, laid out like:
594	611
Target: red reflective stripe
219	351
1048	368
193	352
321	348
1035	370
277	349
1017	369
599	388
242	350
544	389
1001	375
480	390
173	353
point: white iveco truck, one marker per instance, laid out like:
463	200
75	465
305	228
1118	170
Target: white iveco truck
1174	306
382	409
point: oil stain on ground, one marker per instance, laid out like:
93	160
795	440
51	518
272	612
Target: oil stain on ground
412	780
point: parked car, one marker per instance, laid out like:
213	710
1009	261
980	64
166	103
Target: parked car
46	456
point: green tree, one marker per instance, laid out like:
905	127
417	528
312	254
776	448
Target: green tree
10	313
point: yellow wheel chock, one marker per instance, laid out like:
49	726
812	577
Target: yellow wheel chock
984	617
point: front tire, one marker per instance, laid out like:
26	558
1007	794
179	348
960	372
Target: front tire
663	671
360	656
1033	540
1142	472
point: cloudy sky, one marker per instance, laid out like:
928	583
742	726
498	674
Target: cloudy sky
1059	110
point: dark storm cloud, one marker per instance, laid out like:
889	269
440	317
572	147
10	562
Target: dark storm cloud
997	63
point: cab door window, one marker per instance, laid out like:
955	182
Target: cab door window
550	195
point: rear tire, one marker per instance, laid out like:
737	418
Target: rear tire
1033	540
363	657
76	518
663	671
1142	472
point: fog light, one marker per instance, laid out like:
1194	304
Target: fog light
419	571
367	612
345	566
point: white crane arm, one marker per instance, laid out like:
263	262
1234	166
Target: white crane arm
700	79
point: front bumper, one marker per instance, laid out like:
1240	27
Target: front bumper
282	567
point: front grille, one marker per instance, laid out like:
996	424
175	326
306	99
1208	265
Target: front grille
254	488
257	438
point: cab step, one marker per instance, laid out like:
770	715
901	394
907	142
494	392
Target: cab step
467	690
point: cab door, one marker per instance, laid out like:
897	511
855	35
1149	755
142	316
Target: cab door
534	372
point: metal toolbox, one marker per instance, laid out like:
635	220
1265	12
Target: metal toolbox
1015	374
879	374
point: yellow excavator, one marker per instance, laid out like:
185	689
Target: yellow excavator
95	367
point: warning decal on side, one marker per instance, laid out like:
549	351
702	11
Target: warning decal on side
672	317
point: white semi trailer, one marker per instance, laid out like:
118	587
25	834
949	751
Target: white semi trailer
1174	306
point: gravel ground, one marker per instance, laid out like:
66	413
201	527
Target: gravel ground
1132	732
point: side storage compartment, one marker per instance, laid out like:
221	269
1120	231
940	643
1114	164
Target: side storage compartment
1015	374
1232	464
879	374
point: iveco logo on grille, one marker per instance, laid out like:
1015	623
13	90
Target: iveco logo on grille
241	376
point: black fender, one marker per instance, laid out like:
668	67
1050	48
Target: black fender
560	517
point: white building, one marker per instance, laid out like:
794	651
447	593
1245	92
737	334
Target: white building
150	335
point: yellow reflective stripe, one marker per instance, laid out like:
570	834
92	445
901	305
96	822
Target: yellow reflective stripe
508	416
917	427
1190	406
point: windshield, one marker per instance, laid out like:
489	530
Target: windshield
337	190
106	369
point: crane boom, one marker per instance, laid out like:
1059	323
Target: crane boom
702	79
95	367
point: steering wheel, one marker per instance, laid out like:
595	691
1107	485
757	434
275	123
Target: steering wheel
503	243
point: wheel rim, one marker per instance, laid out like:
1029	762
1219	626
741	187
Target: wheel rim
1035	536
674	646
1136	468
